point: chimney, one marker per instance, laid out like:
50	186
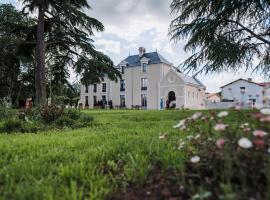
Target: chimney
250	79
141	51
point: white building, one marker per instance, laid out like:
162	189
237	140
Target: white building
246	92
148	81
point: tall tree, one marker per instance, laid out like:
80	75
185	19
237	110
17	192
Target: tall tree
14	28
224	34
65	29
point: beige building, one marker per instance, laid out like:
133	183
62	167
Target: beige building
213	97
149	81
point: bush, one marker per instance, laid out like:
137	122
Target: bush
12	125
50	113
73	114
64	121
7	113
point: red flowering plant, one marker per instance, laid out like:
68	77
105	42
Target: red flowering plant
228	154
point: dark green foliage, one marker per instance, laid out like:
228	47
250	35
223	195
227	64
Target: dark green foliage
50	113
64	121
12	125
73	114
68	30
6	113
223	35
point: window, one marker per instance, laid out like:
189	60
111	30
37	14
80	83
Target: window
86	101
144	100
122	101
86	88
122	85
144	67
95	88
242	89
144	83
103	87
95	100
122	69
104	99
192	95
197	95
188	94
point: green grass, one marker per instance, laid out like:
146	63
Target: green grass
120	147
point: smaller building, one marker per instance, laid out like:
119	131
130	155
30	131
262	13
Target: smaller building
246	92
213	97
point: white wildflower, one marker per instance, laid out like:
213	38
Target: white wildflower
265	111
196	115
223	114
197	137
245	143
195	159
180	124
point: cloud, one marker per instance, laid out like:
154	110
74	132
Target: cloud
108	46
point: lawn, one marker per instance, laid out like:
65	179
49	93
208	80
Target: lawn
120	148
139	155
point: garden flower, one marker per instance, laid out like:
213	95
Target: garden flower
220	143
259	142
189	137
181	145
259	133
180	124
195	159
223	114
247	129
265	111
197	137
196	115
245	143
265	119
162	136
220	127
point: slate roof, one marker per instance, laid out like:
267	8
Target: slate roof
154	58
189	79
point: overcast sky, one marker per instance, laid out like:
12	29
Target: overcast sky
130	24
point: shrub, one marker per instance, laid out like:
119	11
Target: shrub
64	121
50	113
73	114
7	113
12	125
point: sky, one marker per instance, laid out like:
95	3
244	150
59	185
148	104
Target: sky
130	24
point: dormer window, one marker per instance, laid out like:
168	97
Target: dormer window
144	67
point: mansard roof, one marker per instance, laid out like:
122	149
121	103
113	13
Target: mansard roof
154	58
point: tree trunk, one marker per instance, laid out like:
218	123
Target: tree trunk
40	79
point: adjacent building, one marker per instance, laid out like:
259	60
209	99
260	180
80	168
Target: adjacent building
213	97
246	92
148	81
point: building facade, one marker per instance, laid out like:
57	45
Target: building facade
148	81
245	92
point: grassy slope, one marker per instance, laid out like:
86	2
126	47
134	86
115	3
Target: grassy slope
68	164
